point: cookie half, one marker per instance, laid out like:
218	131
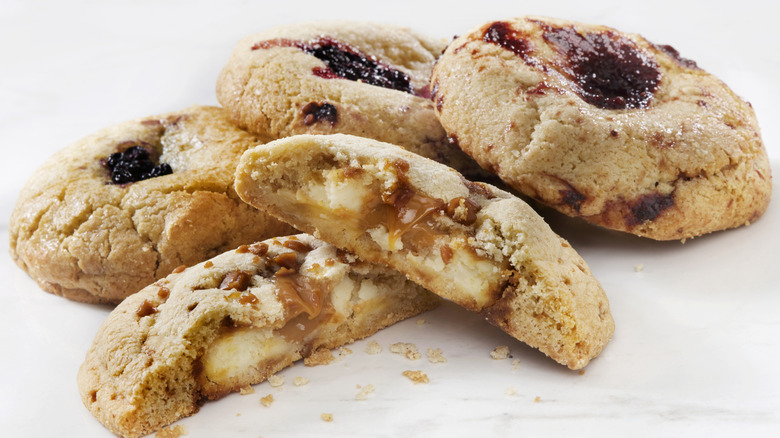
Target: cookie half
345	77
471	243
234	321
604	125
111	213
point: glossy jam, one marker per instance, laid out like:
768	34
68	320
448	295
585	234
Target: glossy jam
134	164
346	62
314	112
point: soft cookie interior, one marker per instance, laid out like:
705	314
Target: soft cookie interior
468	242
234	321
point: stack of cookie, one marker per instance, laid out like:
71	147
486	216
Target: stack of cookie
373	139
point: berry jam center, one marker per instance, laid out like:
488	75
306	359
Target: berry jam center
134	164
314	112
611	72
345	62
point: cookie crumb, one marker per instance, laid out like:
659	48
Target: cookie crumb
276	381
327	417
421	321
171	432
322	356
435	356
267	400
582	372
639	267
364	391
373	347
537	399
248	389
499	353
511	391
416	376
516	364
344	351
406	349
300	381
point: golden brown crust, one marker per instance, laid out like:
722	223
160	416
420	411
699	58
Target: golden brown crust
478	246
679	156
230	322
271	85
82	237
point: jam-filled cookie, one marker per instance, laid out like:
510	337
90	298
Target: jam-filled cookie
345	77
231	322
113	212
471	243
604	125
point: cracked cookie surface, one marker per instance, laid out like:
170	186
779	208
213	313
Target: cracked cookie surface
233	321
469	242
604	125
111	213
345	77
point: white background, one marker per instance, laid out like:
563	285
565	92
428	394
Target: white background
696	347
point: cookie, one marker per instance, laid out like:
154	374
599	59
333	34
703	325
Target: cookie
345	77
234	321
468	242
605	126
111	213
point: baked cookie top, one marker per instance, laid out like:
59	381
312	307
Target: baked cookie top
233	321
471	243
347	77
604	125
115	211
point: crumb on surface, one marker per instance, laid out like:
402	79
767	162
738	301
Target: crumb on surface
321	356
373	347
421	321
639	267
435	356
511	391
499	353
364	391
537	399
416	376
267	400
327	417
171	432
516	364
582	372
300	381
344	351
276	381
406	349
248	389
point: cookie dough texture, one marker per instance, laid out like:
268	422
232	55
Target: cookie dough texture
234	321
681	157
82	237
471	243
272	82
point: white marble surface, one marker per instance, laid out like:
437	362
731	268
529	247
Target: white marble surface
696	348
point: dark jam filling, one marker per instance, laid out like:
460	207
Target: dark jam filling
502	34
134	164
314	112
345	62
674	54
611	72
